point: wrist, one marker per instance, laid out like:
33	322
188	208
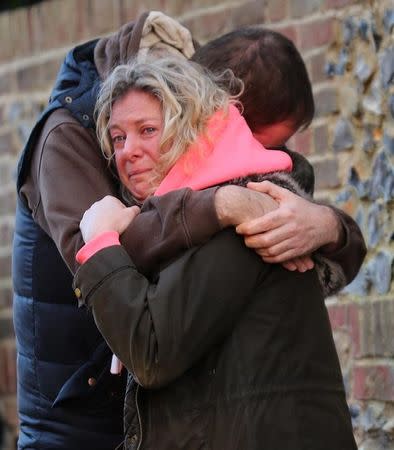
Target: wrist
335	233
224	198
102	240
237	204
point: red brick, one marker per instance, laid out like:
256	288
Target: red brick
209	25
374	382
315	34
354	324
38	76
7	83
6	326
172	8
316	64
6	51
82	21
10	417
302	8
277	10
130	9
104	16
6	230
5	267
377	331
383	330
326	100
5	297
248	13
19	22
346	317
302	142
53	24
6	177
338	315
7	202
326	173
7	368
9	414
320	139
339	3
287	30
29	78
6	144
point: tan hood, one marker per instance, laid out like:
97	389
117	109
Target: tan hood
151	31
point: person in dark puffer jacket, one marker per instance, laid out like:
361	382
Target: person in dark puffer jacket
238	356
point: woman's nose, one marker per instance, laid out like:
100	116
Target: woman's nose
132	149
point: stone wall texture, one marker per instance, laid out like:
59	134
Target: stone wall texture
348	46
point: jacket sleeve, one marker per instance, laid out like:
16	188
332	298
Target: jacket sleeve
335	268
160	329
345	261
68	174
351	254
170	224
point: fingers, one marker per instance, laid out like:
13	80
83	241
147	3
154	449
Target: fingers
278	259
290	265
301	264
258	225
274	241
133	212
108	214
286	252
276	192
284	217
308	262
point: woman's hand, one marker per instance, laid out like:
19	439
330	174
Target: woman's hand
108	214
297	228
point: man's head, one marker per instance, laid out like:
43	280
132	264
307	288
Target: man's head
277	86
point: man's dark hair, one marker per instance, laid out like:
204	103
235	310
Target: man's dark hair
277	86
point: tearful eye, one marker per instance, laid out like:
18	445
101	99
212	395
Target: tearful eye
116	139
149	130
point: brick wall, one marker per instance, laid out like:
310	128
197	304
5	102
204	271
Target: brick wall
349	50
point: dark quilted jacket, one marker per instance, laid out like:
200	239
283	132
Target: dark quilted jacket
58	406
233	354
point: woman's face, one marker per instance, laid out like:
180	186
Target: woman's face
135	127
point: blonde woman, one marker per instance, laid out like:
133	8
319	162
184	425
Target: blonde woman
242	356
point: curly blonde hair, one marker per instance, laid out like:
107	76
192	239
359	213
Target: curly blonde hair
188	95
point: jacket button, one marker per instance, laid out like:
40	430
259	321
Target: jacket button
77	292
131	441
68	99
85	117
92	381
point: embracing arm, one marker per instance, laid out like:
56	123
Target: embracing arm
349	249
280	232
68	174
160	329
302	226
181	219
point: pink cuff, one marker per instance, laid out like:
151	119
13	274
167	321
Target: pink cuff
101	241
